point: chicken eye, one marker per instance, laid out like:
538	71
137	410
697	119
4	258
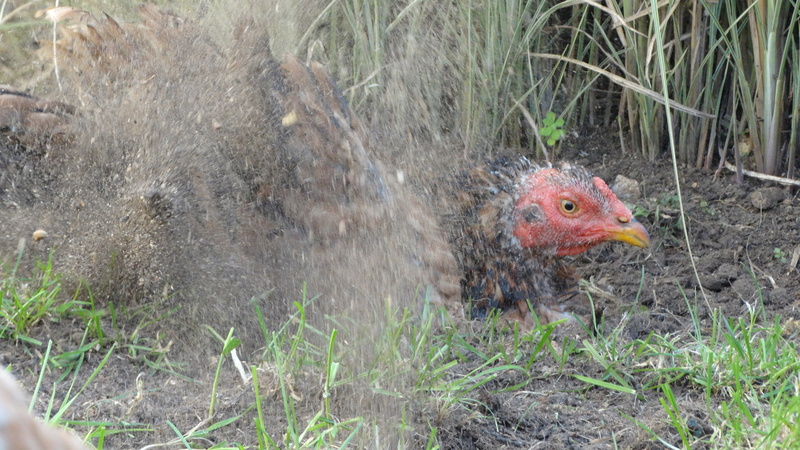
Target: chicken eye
568	206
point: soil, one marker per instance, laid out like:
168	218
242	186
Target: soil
734	246
123	223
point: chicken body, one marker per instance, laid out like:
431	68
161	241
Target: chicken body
518	221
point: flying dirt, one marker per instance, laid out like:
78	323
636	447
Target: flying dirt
206	186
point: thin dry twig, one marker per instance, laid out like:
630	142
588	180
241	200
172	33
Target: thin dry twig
365	81
795	259
763	176
532	123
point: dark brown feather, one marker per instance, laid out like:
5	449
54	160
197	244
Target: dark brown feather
32	121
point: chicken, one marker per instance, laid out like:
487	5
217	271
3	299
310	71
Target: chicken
304	186
517	222
20	430
338	189
336	186
32	121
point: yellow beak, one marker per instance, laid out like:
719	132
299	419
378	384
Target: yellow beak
632	233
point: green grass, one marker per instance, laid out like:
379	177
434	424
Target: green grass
747	371
31	304
26	302
468	67
744	370
735	61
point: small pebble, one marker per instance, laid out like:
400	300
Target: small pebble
626	188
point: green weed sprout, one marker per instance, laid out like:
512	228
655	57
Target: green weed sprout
552	128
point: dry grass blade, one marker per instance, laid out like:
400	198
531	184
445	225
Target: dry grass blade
627	84
5	18
645	12
618	20
535	129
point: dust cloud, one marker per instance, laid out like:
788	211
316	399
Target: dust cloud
199	173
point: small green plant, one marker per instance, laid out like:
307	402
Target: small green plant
552	128
60	402
669	200
779	254
25	302
639	211
706	208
